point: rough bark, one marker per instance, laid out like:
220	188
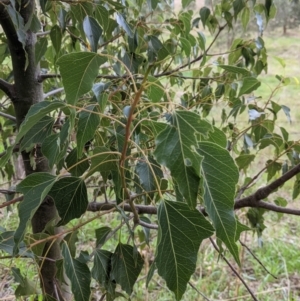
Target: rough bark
26	91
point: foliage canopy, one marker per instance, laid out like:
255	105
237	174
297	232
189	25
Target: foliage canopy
141	118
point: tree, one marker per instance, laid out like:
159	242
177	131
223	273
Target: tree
124	127
288	15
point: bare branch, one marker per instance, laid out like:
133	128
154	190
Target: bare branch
275	208
42	33
15	200
10	117
141	209
53	92
146	225
262	193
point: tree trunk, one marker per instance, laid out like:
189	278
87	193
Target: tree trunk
26	91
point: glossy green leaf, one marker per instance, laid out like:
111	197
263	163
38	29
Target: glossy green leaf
243	161
92	32
249	85
220	176
155	91
36	113
102	16
56	37
40	49
181	231
204	14
273	167
149	174
79	275
35	188
38	133
87	124
76	166
175	148
245	17
102	268
103	160
123	23
51	148
126	266
236	70
101	234
78	71
70	196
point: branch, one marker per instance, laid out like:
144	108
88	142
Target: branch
253	199
10	117
53	92
141	209
6	87
233	270
16	200
197	59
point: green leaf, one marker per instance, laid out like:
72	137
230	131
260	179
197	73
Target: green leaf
36	113
35	188
102	16
286	111
175	148
245	17
38	133
7	245
220	176
204	14
155	91
236	70
103	160
76	166
126	266
40	49
243	161
87	124
70	196
149	174
71	239
185	45
92	31
102	268
101	234
78	71
238	5
38	249
217	136
56	37
181	231
79	275
272	168
51	148
185	3
26	287
122	23
249	85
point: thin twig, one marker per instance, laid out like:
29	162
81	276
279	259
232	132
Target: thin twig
256	258
10	117
194	287
16	200
53	92
233	270
149	226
